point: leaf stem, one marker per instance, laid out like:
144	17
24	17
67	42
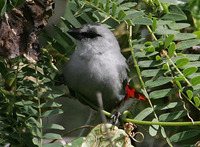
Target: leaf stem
161	123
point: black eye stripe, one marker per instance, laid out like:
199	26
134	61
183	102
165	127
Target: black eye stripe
89	34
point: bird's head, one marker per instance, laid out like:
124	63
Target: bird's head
91	32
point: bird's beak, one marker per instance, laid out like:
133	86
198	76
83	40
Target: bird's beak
75	33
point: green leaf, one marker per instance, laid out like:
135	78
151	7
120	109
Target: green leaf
107	7
172	115
121	15
171	49
163	93
187	44
178	84
190	70
51	95
150	49
154	25
144	113
168	40
174	17
36	142
64	36
176	14
193	57
30	110
179	79
132	14
163	132
196	101
158	58
158	82
114	8
101	5
182	62
192	64
27	103
50	104
153	130
165	31
171	2
96	2
165	66
153	72
145	54
168	106
52	136
195	80
53	126
142	21
189	94
150	63
178	26
52	112
36	131
181	136
53	145
184	36
32	122
3	5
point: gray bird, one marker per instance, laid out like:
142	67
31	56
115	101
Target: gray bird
97	66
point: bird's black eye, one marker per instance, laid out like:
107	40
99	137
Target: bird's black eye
90	34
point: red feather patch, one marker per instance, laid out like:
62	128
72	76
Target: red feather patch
132	93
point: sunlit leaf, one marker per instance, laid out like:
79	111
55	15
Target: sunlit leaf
154	25
52	136
182	62
195	80
190	70
114	8
168	40
168	106
52	112
189	94
153	130
171	49
196	101
53	126
121	15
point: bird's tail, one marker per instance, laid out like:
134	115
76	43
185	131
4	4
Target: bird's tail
132	93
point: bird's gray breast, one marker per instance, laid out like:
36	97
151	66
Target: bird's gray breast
102	72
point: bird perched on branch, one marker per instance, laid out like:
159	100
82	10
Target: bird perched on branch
97	66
